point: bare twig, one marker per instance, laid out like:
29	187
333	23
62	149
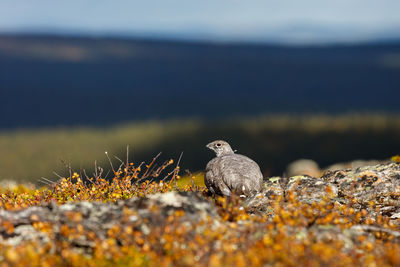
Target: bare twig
87	177
68	166
95	168
120	160
176	170
145	175
109	160
179	160
44	181
127	156
48	180
122	164
191	177
59	176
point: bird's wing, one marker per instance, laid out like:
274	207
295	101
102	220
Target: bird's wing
213	178
241	174
209	177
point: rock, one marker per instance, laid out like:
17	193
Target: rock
24	233
373	188
303	167
355	164
273	188
370	187
379	183
142	213
288	207
310	189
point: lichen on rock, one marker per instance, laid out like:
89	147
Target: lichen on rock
346	217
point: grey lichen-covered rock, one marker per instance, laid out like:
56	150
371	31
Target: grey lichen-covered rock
273	189
355	164
309	189
305	188
24	233
379	182
141	213
373	188
372	191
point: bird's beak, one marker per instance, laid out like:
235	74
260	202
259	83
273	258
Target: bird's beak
209	146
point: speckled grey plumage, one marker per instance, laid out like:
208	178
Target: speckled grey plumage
229	173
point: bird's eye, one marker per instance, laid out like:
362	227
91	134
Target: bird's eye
218	144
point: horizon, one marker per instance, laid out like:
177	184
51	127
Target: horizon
291	22
168	38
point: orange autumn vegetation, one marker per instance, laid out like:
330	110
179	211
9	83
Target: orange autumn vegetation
396	158
277	237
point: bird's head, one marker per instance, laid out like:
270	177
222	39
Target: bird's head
220	148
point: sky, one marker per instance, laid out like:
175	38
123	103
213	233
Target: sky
290	20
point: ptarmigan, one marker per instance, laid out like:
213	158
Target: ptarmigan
229	173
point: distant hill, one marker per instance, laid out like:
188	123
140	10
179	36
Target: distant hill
53	80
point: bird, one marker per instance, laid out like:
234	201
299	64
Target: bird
229	173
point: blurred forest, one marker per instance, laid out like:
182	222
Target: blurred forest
64	81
